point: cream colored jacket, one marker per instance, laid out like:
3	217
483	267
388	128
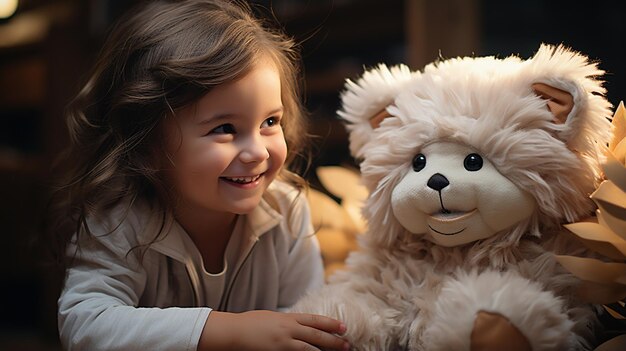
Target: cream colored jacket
114	300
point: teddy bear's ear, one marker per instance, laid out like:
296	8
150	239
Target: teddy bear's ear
364	102
571	86
379	117
559	102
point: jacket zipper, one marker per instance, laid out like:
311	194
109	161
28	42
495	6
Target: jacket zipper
226	297
195	282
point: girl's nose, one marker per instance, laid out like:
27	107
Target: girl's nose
254	150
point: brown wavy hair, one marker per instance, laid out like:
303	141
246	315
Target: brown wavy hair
156	60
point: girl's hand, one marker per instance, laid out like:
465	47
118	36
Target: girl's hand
267	330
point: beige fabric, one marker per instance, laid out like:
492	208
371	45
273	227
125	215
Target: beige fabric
493	332
618	343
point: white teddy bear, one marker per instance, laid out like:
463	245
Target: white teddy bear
472	167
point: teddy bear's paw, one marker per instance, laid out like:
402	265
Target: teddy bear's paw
494	332
470	300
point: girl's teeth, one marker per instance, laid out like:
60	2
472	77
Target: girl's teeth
243	179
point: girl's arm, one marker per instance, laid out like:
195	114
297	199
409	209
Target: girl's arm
97	308
267	330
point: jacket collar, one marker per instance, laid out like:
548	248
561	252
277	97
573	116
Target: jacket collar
258	222
264	217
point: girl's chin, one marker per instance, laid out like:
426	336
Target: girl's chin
247	208
245	205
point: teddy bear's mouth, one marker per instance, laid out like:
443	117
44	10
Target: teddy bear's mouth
442	233
451	216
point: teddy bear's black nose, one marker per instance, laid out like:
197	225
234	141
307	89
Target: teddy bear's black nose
438	182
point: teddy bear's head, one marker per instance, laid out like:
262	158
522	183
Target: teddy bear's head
478	148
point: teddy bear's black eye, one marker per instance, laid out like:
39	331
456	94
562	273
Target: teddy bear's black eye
419	162
473	162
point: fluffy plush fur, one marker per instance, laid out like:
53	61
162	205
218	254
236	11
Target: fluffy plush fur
470	177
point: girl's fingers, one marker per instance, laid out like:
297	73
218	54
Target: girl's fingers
321	339
301	345
324	323
319	331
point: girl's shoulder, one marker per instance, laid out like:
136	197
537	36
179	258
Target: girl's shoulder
125	226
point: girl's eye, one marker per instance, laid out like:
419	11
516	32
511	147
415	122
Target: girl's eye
270	122
224	129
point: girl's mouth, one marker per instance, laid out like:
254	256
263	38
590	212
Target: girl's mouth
242	180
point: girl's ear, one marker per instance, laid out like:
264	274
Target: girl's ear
364	102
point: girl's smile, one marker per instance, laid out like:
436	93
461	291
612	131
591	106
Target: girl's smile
227	148
244	182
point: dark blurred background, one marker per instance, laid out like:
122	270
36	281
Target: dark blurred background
47	48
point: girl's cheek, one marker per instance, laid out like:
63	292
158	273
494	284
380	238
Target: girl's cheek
281	150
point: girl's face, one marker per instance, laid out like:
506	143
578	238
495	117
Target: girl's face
229	147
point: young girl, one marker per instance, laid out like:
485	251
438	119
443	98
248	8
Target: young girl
188	230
